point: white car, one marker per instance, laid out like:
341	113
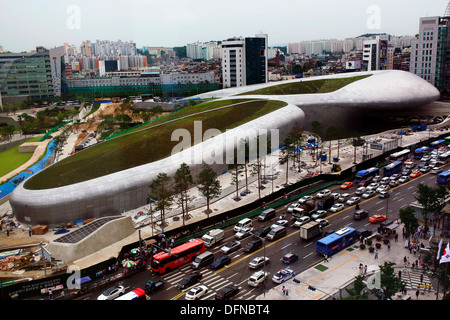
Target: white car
382	188
283	275
337	207
112	293
322	222
243	233
301	221
303	199
353	200
344	197
385	180
360	190
257	278
293	206
230	247
258	262
323	193
196	292
335	195
282	223
318	214
368	194
403	179
372	186
436	170
376	179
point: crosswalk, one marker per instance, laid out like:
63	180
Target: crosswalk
412	279
213	281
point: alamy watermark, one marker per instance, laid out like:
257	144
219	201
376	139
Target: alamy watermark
374	19
235	146
74	19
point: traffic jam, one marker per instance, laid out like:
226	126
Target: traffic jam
202	260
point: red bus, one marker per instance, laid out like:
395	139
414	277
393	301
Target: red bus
136	294
178	256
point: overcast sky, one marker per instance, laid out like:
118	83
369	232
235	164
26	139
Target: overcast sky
25	24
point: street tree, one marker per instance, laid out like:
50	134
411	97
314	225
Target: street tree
183	181
390	284
409	220
431	199
208	184
287	152
255	168
161	190
358	292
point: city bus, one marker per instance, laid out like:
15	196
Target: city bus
178	256
447	140
437	144
336	241
443	177
420	152
136	294
401	155
366	174
392	168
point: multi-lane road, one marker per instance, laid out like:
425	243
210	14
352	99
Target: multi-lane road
237	272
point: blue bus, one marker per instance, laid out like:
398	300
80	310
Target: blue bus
392	168
336	241
401	155
443	177
437	144
420	152
366	174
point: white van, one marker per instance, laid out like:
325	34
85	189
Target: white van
244	223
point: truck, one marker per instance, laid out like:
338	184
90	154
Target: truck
310	230
304	209
212	237
325	203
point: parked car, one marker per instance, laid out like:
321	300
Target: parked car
353	200
301	221
337	207
230	247
283	275
196	292
189	280
227	292
258	262
111	293
257	278
323	193
290	257
377	218
220	262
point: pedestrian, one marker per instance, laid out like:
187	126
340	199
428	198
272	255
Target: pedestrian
376	254
417	294
365	269
421	278
399	274
7	232
396	237
325	258
29	232
389	245
50	294
284	290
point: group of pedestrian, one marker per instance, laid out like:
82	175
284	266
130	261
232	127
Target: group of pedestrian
285	291
362	268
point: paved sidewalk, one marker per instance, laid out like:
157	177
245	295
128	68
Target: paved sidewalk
331	278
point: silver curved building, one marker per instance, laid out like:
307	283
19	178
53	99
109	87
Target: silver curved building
382	92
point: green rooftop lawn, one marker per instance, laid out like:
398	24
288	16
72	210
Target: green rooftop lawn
305	87
11	159
149	143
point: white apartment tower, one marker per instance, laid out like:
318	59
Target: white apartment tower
233	62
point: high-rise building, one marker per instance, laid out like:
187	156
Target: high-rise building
244	61
430	51
375	53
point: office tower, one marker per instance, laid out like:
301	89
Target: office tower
430	51
244	61
375	53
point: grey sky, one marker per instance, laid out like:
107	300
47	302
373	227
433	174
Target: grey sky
25	24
